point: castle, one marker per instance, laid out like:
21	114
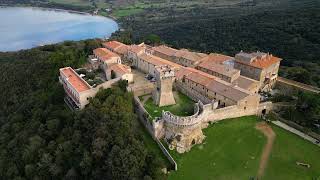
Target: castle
222	86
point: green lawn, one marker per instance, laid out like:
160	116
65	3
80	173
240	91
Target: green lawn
126	12
287	150
73	2
232	150
184	106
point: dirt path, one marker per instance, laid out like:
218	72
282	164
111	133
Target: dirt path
268	132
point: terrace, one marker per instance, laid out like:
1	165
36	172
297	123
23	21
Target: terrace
92	77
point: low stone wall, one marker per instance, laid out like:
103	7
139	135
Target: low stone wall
167	154
140	91
288	86
297	126
211	115
107	84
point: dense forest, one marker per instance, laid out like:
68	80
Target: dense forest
289	29
305	112
42	139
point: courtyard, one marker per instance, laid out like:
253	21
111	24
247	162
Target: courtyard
233	150
184	105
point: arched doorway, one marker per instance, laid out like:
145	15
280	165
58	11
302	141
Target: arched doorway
193	142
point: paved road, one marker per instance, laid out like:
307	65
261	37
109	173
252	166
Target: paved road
295	131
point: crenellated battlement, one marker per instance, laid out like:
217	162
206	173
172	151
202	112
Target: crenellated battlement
180	121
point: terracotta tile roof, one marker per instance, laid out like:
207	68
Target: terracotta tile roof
165	50
219	68
122	50
268	61
116	46
120	68
199	79
245	83
157	61
213	84
75	80
192	56
258	59
217	58
183	72
136	48
112	44
104	54
227	90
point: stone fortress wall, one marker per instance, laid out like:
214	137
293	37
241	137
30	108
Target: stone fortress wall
179	121
217	99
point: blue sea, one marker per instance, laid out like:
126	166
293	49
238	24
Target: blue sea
24	28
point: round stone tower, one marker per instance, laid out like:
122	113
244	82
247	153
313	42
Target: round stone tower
162	95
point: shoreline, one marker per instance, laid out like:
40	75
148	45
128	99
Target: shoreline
59	10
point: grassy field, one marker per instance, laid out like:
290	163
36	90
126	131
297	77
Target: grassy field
184	106
287	150
126	12
232	150
73	2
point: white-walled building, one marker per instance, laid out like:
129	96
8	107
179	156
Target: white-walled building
76	88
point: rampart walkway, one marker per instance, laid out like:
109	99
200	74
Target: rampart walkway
298	85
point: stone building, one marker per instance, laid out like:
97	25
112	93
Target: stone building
117	47
75	87
223	87
162	95
147	63
207	88
134	51
221	66
260	66
183	57
120	71
222	71
106	57
78	91
164	52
